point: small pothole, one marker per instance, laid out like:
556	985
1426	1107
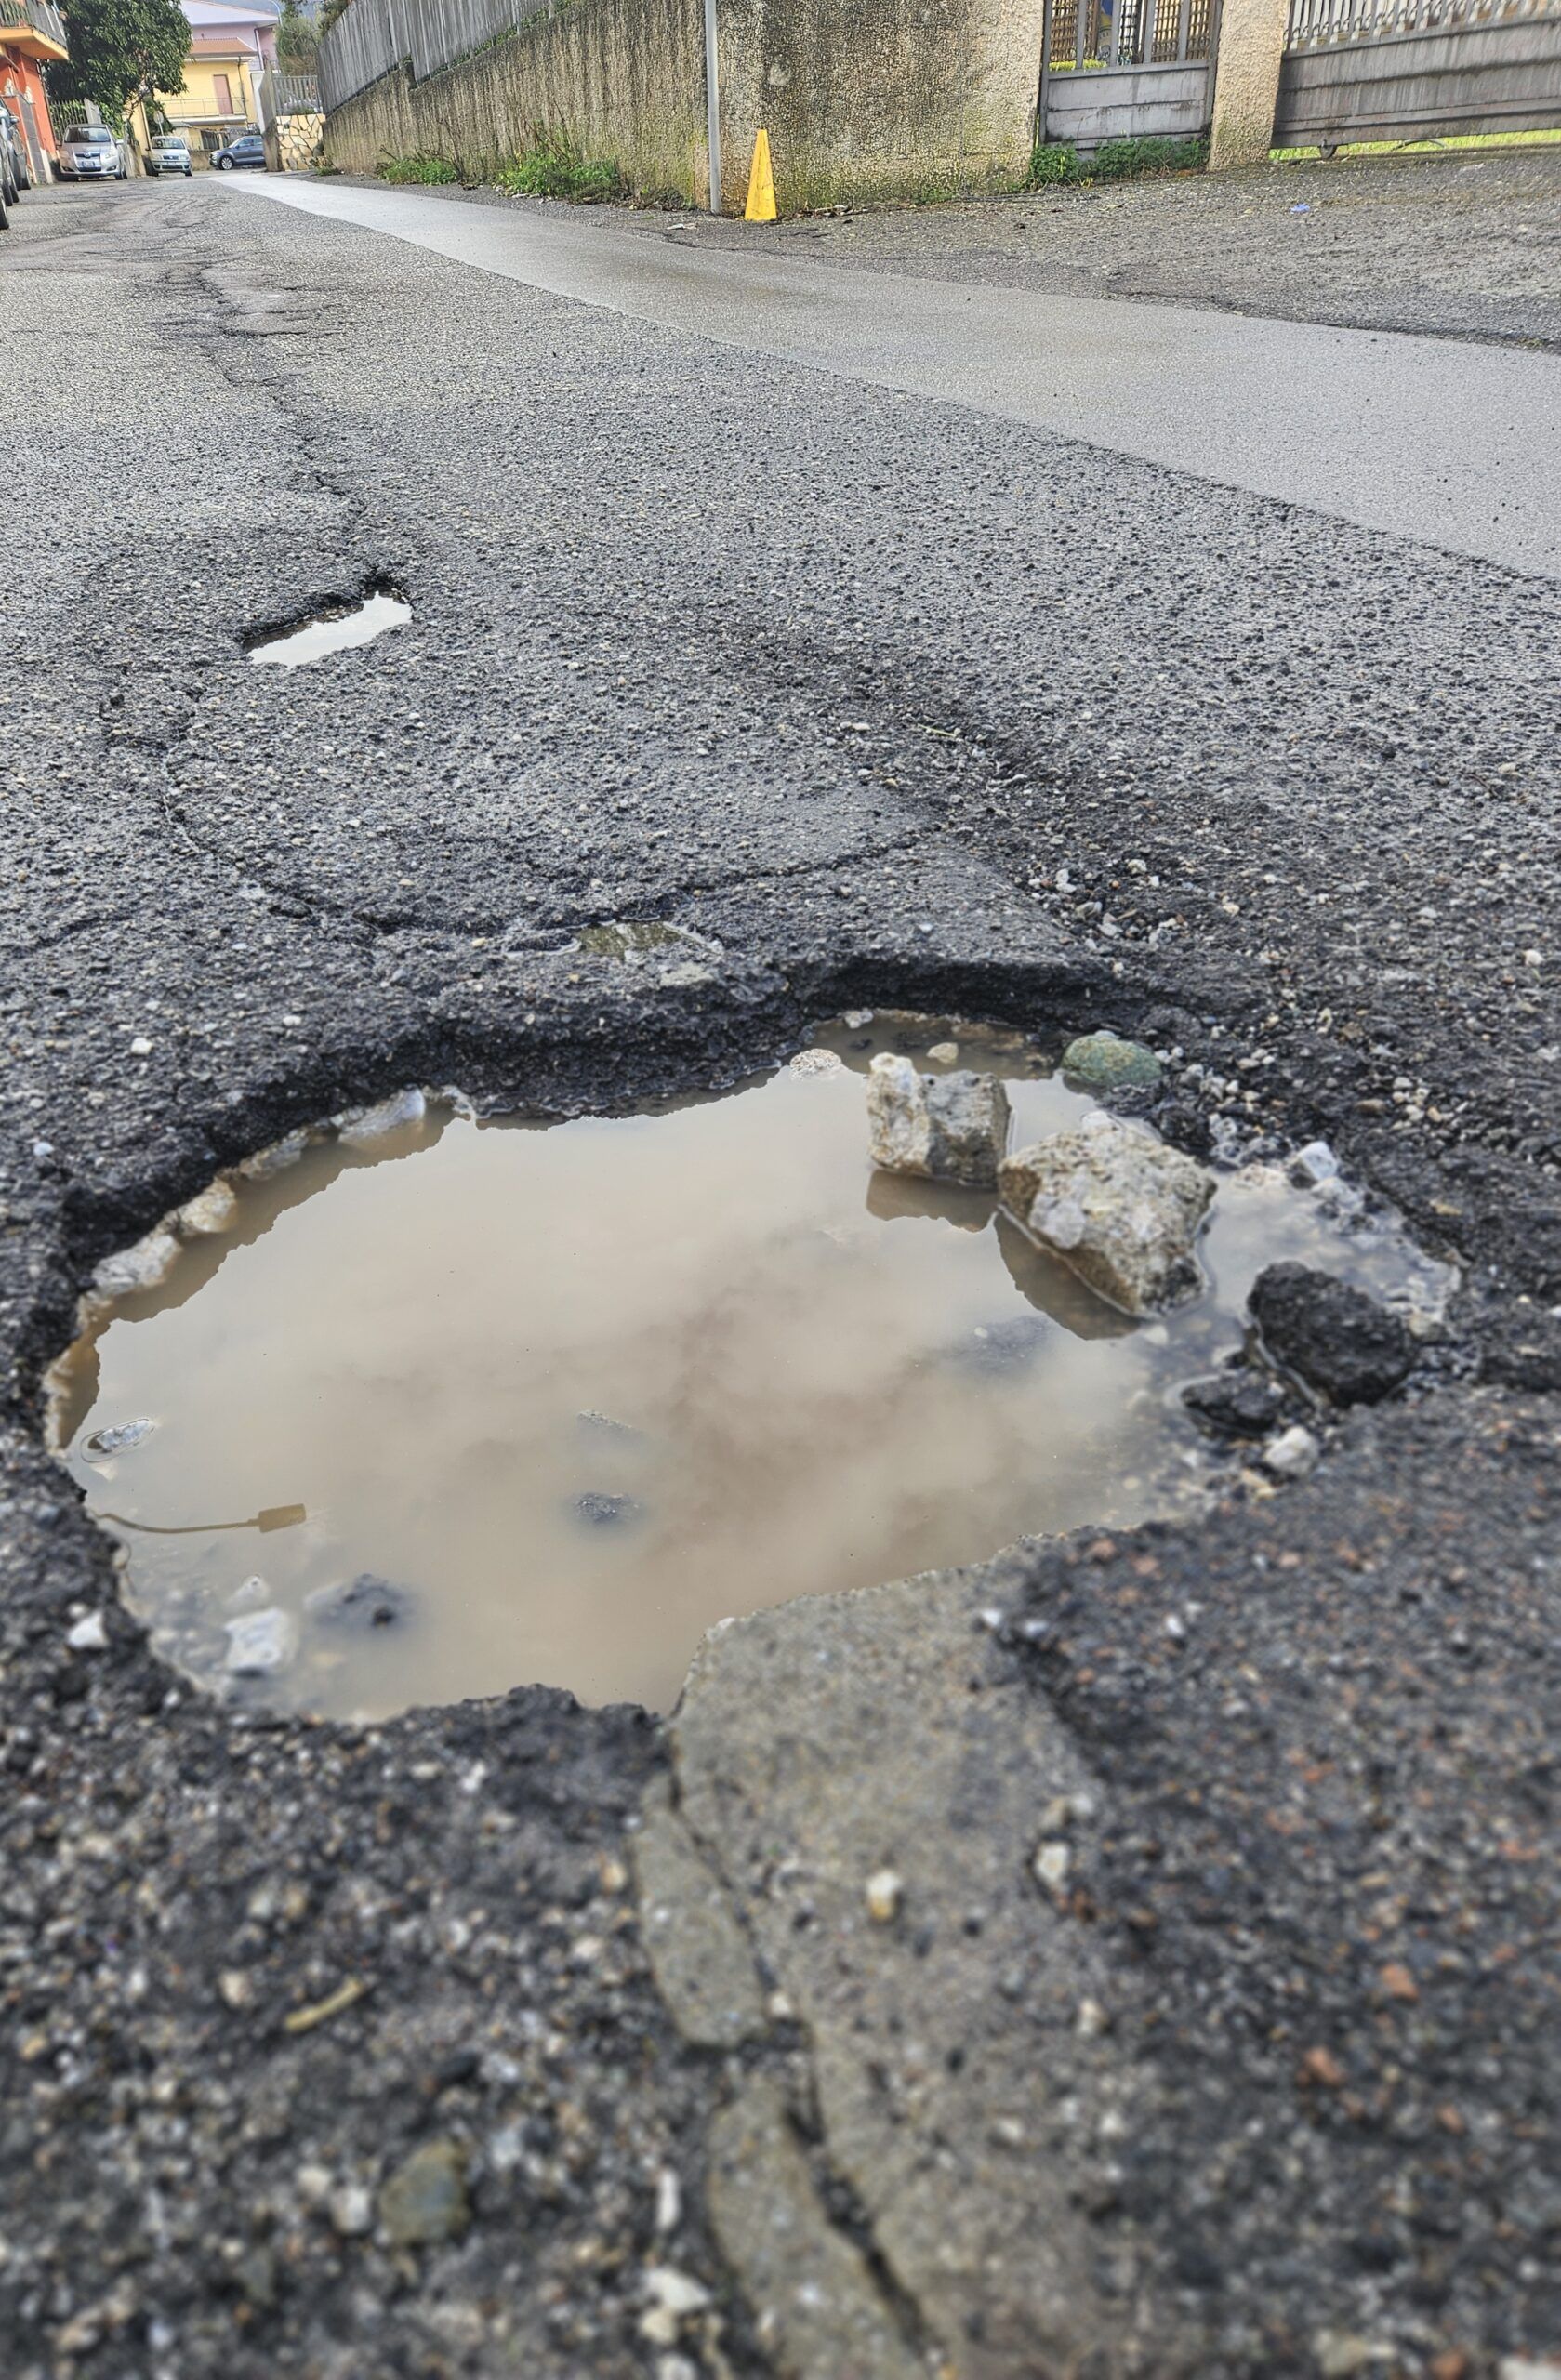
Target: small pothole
630	938
420	1408
332	629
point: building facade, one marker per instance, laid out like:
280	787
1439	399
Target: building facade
31	33
232	43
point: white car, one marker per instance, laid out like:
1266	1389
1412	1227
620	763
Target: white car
90	153
170	154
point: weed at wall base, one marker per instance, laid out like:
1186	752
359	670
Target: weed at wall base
1115	161
1058	164
419	168
553	165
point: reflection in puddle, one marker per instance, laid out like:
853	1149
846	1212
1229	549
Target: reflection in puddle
334	631
470	1405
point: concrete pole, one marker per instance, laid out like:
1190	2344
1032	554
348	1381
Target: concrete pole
712	103
1247	81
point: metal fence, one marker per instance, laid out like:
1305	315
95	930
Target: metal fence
360	46
1417	70
283	94
1095	34
63	113
373	35
446	30
1320	24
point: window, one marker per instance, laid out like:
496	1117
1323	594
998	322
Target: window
223	89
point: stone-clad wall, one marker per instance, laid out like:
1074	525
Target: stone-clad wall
860	98
293	142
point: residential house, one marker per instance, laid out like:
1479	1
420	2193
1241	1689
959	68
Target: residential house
30	33
231	44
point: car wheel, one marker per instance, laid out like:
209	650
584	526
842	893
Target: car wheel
224	165
5	218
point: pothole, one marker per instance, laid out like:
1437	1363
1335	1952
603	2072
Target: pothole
419	1407
333	629
633	939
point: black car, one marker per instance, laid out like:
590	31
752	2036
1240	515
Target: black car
248	149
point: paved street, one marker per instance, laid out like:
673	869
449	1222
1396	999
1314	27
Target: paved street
1369	426
920	637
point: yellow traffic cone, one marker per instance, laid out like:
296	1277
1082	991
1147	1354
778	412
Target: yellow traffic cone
760	208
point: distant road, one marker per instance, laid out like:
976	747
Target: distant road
1448	441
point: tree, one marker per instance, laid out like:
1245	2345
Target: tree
297	44
119	48
330	12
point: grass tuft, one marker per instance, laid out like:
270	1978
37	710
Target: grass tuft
553	165
421	167
1115	161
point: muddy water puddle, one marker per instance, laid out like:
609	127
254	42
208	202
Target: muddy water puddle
452	1406
334	631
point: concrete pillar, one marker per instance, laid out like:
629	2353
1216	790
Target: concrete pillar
1246	80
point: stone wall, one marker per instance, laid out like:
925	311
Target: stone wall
625	78
878	98
875	99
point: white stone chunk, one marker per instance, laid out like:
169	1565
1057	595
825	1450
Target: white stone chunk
1117	1205
261	1642
211	1211
356	1125
1292	1454
140	1267
943	1128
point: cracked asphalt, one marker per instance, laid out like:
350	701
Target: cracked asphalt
893	702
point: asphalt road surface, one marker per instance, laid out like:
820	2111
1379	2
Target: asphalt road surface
517	2038
1451	442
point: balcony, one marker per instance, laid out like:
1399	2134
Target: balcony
34	27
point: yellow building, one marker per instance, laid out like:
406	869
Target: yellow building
231	45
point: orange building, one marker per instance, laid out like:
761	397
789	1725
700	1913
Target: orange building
30	33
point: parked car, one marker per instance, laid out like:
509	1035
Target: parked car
16	175
90	153
170	154
248	149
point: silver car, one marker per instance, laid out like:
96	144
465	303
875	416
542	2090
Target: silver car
90	153
170	154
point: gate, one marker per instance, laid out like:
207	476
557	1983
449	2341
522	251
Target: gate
1412	69
1114	70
